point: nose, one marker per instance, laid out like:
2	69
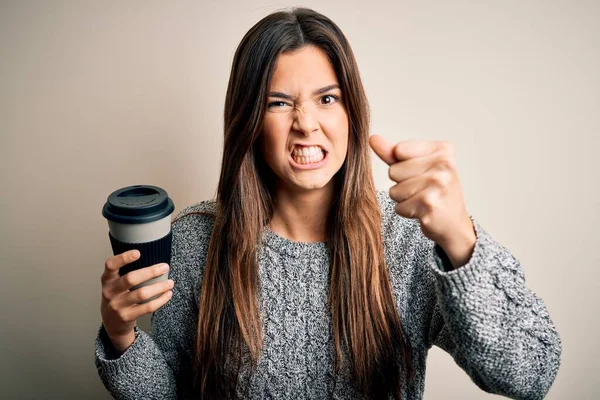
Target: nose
304	121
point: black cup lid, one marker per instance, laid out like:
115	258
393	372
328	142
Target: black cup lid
138	204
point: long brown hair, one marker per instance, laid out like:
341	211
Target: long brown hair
366	325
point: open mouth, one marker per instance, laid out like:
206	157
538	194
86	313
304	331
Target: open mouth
308	155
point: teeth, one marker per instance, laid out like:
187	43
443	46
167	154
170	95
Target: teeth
307	151
308	155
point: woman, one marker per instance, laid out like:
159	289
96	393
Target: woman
300	280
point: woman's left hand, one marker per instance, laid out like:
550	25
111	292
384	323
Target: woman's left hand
427	187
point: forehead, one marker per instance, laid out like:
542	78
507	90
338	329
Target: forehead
303	69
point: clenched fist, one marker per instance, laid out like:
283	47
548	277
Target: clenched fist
427	187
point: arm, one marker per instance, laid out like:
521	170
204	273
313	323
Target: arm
158	365
140	371
496	329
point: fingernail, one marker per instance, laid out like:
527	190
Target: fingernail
164	267
135	253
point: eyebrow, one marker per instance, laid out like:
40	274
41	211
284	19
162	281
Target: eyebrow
316	92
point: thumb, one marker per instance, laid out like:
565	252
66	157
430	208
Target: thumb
383	148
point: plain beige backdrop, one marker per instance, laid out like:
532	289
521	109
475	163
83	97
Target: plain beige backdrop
97	95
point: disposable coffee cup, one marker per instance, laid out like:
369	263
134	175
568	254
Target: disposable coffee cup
139	217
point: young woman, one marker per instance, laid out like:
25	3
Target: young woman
301	280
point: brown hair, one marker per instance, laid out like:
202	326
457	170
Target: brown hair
366	325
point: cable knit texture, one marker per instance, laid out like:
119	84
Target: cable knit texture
483	314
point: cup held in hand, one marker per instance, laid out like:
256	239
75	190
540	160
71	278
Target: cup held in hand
139	217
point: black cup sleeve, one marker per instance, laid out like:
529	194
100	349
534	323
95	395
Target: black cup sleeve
155	252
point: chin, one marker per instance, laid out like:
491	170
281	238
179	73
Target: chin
306	180
313	184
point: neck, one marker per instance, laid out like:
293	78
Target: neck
301	216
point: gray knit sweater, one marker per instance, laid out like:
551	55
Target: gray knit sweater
496	329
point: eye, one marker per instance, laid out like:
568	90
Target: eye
331	99
276	104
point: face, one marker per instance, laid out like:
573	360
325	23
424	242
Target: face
305	130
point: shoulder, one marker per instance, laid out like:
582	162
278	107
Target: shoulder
195	219
192	227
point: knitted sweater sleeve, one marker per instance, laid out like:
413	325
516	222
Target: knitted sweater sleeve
496	329
158	365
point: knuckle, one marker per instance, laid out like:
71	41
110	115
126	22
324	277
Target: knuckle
426	220
122	315
142	293
397	151
128	280
447	163
439	179
412	212
397	193
395	173
146	308
112	307
125	257
392	192
398	208
429	201
106	293
448	178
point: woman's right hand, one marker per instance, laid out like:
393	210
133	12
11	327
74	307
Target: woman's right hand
119	307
